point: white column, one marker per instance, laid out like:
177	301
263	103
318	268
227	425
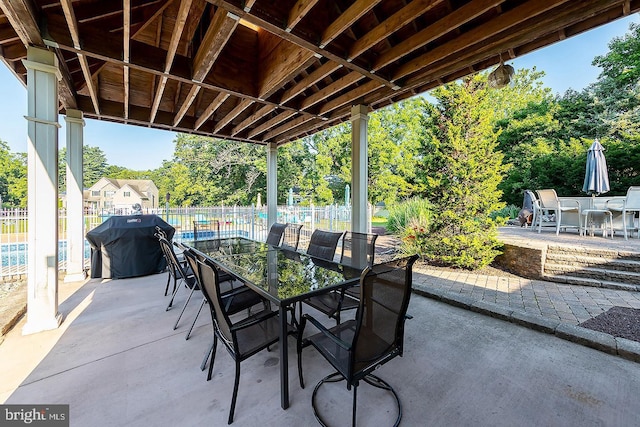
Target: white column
42	190
359	168
272	183
75	205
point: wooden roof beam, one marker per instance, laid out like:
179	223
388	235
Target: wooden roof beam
299	11
392	24
346	20
270	123
298	121
191	96
70	17
211	108
350	97
331	89
507	20
313	78
260	113
126	37
181	19
22	18
242	105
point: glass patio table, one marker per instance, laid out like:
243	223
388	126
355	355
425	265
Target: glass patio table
283	277
216	248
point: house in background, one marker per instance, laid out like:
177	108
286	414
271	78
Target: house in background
119	195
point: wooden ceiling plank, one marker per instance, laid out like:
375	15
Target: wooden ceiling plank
350	96
299	11
331	89
344	21
211	108
220	29
176	34
248	4
283	63
439	28
261	112
191	96
8	35
313	78
300	120
23	20
392	24
476	35
270	123
279	31
242	105
70	17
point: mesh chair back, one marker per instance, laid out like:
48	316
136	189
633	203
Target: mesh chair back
548	199
323	244
633	198
211	290
385	290
172	260
358	249
291	237
275	234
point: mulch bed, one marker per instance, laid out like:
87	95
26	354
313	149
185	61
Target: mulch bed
620	322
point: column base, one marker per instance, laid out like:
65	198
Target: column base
74	277
39	325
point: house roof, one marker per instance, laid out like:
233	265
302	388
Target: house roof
140	186
274	71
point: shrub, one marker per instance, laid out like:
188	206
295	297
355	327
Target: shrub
415	209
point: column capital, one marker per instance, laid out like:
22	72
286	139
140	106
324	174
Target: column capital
359	112
74	116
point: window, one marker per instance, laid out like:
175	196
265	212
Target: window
127	193
95	193
109	193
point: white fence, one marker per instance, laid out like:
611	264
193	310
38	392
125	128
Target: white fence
188	222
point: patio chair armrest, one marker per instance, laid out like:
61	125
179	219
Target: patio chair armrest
615	205
325	332
255	319
569	203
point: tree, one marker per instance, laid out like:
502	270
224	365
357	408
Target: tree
462	168
94	166
13	177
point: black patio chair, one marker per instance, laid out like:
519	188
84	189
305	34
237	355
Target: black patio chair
243	338
358	250
237	298
323	244
275	234
291	237
179	271
356	348
161	233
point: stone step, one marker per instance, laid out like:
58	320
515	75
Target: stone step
601	274
585	281
584	252
618	264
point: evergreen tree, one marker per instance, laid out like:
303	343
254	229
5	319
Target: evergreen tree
462	169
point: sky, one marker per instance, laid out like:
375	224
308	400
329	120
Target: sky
567	65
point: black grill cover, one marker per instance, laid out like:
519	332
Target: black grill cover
125	246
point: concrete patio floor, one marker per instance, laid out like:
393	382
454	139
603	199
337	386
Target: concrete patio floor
117	361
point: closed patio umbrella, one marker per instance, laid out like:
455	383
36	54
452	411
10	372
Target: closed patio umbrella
596	177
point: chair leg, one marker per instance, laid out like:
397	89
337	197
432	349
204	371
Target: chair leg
213	357
235	393
184	307
203	365
204	301
355	400
174	293
166	288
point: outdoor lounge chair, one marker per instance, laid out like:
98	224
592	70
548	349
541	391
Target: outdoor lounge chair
549	202
356	348
631	204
